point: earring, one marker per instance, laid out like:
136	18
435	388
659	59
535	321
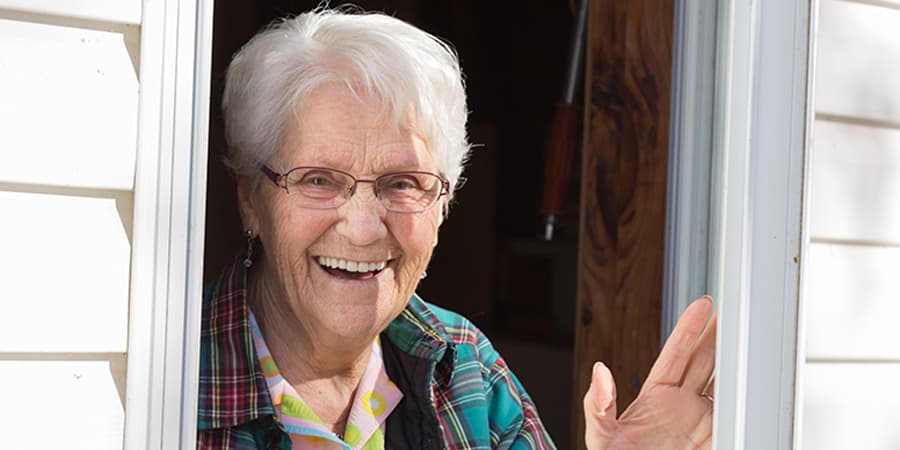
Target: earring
424	274
247	260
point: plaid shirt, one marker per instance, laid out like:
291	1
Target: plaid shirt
478	402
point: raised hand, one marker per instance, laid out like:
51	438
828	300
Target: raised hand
673	411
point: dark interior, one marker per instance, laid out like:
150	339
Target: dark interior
491	264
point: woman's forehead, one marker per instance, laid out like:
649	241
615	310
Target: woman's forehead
373	154
337	103
337	127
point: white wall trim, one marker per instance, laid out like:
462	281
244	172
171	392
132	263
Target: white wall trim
762	124
167	250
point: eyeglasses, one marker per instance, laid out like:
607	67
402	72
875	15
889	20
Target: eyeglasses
324	188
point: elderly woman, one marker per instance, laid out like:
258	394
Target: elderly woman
347	136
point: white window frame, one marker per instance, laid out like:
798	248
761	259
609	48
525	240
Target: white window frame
736	197
762	123
169	215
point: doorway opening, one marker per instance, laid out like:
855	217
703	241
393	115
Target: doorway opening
491	264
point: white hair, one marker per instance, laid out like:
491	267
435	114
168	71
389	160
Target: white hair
416	76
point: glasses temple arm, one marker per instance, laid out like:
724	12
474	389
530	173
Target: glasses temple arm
272	175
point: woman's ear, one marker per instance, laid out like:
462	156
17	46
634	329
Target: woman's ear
441	217
247	204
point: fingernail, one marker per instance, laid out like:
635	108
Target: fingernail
603	404
595	372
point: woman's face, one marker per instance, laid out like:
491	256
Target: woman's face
335	129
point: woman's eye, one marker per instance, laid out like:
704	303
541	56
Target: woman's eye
315	180
402	184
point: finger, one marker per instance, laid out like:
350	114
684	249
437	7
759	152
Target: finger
600	408
669	367
703	360
701	436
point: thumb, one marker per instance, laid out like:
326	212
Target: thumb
600	408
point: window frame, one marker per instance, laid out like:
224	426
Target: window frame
762	126
761	121
169	216
688	239
736	203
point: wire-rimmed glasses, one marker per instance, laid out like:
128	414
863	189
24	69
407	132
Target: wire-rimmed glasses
326	188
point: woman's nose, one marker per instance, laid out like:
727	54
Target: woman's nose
363	217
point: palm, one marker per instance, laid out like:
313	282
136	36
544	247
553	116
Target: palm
669	412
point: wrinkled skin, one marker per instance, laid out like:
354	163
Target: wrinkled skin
670	412
318	326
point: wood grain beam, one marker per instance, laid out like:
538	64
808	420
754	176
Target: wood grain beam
623	195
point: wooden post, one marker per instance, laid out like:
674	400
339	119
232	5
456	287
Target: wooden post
623	195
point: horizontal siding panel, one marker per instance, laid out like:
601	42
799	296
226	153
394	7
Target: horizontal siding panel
851	406
117	11
857	60
65	273
69	106
62	404
855	182
851	302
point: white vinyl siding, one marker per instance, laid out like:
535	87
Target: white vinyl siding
68	273
855	195
63	403
852	303
112	11
851	281
857	63
858	416
69	112
69	104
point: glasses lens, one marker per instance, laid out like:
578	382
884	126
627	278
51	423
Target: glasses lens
408	191
318	188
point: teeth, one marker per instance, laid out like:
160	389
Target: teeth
351	266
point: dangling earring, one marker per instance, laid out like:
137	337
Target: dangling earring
247	260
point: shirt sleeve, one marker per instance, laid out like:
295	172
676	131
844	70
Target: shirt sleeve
482	404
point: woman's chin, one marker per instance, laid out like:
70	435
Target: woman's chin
357	307
359	323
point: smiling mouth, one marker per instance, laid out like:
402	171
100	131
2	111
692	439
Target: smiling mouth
351	270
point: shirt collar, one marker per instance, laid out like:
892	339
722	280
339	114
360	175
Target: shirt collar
232	389
419	332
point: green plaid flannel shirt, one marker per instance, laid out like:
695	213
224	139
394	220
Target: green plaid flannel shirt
478	401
